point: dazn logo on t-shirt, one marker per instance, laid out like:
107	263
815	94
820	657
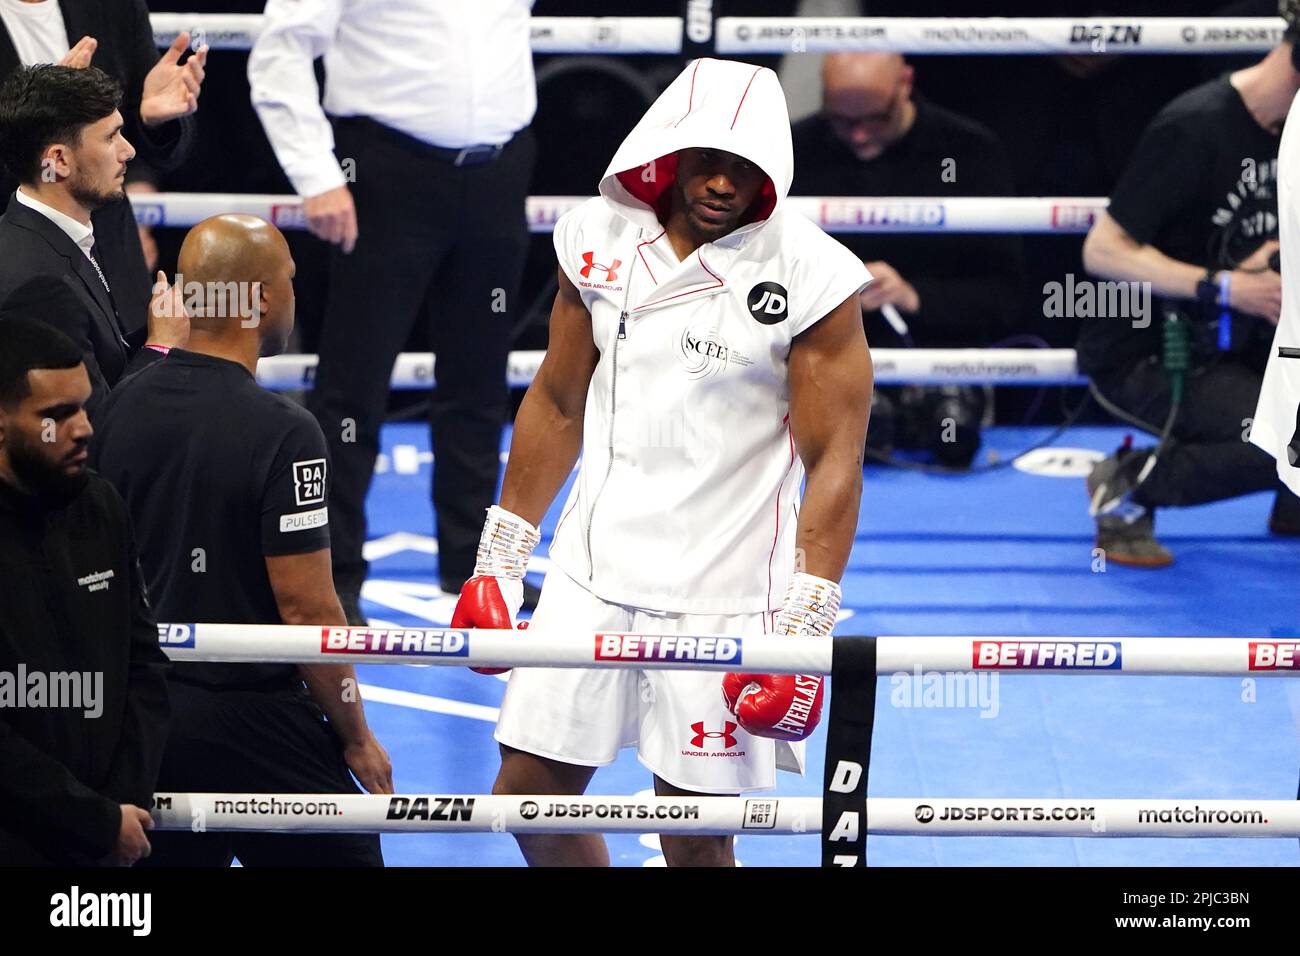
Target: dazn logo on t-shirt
309	481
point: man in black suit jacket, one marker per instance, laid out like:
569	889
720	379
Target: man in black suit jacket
160	96
61	136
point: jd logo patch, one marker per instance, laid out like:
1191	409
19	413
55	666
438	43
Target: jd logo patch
309	482
767	303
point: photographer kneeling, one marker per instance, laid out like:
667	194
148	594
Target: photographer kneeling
1195	215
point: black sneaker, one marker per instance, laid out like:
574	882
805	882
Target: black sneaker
1125	528
351	601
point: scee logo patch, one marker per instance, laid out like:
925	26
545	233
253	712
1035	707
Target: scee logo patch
309	482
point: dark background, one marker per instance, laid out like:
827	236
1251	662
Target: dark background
1068	125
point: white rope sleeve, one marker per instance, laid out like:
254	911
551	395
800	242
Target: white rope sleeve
1032	35
732	35
414	370
238	31
756	653
1052	215
770	816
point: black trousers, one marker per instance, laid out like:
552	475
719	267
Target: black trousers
1209	457
247	742
441	244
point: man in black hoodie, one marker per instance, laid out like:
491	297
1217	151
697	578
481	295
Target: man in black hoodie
76	775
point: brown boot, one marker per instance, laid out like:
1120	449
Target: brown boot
1133	545
1125	529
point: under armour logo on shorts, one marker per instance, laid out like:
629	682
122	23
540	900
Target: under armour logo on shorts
726	733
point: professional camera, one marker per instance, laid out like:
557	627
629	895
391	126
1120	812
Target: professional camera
943	419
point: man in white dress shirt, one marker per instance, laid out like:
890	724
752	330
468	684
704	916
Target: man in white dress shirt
416	168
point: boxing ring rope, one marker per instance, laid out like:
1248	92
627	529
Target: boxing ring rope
843	815
1027	35
836	214
765	816
540	647
414	370
1001	35
238	31
1064	215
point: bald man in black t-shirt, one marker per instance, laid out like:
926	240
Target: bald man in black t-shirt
874	137
227	486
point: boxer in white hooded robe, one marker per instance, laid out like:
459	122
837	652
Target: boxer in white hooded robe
706	347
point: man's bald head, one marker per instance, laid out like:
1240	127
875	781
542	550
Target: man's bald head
874	72
867	100
232	248
238	275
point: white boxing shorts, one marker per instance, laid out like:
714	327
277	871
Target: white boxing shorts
677	720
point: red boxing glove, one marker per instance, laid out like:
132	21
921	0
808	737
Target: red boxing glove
787	706
493	596
482	604
781	706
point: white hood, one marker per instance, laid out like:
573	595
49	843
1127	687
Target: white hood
719	104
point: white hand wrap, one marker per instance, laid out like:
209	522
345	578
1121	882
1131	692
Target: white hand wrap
810	608
506	545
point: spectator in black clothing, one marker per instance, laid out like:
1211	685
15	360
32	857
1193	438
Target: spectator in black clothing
227	485
874	137
1068	121
61	136
1194	215
161	96
77	770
